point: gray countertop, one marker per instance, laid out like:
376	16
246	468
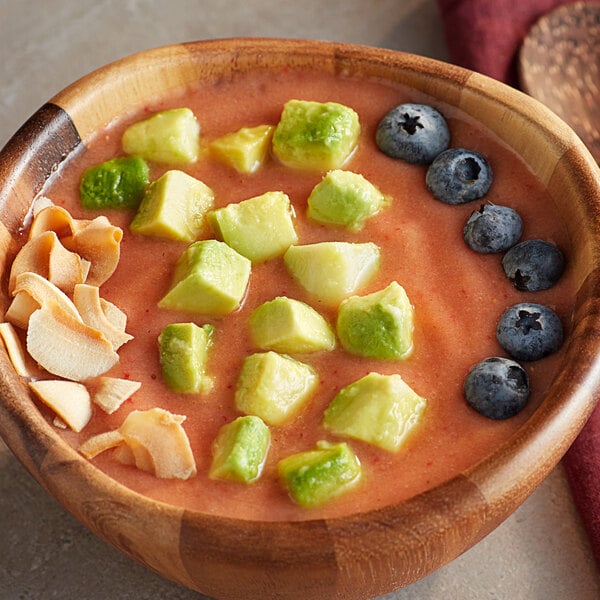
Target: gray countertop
540	552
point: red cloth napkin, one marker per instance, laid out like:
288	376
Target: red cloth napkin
485	36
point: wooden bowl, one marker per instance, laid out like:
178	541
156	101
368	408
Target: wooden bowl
363	555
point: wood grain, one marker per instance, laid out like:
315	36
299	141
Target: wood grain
364	555
559	65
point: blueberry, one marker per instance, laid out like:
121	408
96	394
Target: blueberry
416	133
533	265
529	331
457	176
497	388
492	229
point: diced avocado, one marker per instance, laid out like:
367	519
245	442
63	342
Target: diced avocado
240	450
330	271
184	351
116	183
174	207
273	386
316	476
259	228
315	135
210	278
287	325
170	136
378	325
345	199
378	409
246	149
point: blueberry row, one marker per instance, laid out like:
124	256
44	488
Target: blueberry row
497	387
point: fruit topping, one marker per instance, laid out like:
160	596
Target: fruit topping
258	228
344	199
116	183
529	331
497	388
246	150
315	135
170	136
184	351
316	476
533	265
174	207
457	176
378	325
273	386
378	409
493	229
331	271
287	325
210	278
416	133
240	450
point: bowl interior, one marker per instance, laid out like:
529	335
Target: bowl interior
363	555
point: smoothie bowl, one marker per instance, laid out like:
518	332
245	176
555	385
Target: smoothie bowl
295	319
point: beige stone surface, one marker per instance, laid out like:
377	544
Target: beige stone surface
540	552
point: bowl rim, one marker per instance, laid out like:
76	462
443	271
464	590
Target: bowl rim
554	424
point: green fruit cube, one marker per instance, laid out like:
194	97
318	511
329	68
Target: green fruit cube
245	150
184	351
378	325
346	199
259	228
315	135
316	476
210	278
174	207
273	386
240	450
287	325
330	271
170	136
116	183
378	409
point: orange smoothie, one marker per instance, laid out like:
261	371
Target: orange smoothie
457	294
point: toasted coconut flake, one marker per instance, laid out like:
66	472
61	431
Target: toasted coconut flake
87	300
14	349
32	257
44	292
100	443
20	310
114	314
160	434
69	400
124	454
99	242
109	393
52	218
67	347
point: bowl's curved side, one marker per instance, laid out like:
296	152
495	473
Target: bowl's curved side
355	557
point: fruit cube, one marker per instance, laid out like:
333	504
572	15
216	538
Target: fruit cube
184	351
174	207
330	271
346	199
246	149
170	136
315	135
273	386
240	450
259	228
116	183
378	325
287	325
317	476
210	278
378	409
